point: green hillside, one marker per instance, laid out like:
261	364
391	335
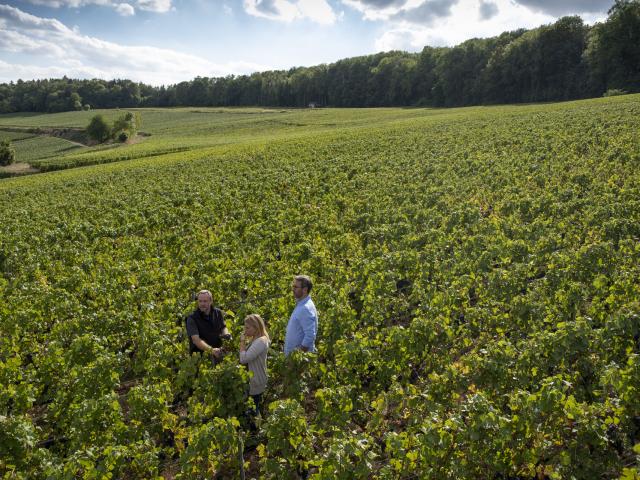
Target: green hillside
477	274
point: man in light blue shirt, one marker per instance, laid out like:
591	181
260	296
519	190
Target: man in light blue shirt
303	323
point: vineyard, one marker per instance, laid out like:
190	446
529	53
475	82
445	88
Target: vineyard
476	271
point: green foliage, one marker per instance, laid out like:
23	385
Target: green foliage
149	410
38	148
213	449
18	438
346	457
612	54
296	372
125	126
633	473
614	92
98	129
136	460
476	273
288	447
7	153
219	391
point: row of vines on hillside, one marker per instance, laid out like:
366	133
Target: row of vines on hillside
477	282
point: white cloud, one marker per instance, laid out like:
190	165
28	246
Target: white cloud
318	11
401	33
398	39
158	6
12	71
377	9
125	9
16	42
410	39
16	18
68	3
48	42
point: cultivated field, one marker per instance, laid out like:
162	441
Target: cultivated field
477	274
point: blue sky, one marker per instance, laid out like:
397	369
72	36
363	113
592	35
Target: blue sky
168	41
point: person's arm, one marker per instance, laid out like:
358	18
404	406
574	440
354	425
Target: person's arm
205	347
308	323
256	349
194	334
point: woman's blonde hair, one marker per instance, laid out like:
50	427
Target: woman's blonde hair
256	322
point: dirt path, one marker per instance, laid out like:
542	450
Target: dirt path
19	169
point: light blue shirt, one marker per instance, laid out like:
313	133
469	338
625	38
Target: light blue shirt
302	326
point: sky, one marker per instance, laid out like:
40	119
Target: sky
163	42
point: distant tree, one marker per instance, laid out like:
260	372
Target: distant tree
99	129
125	126
76	101
7	153
425	75
614	92
613	53
564	60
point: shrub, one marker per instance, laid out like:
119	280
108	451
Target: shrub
98	129
125	127
7	153
614	92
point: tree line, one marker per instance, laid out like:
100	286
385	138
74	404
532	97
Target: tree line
561	61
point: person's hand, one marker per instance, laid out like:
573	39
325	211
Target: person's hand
216	352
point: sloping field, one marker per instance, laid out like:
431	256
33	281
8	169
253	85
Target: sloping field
29	150
15	136
477	274
204	130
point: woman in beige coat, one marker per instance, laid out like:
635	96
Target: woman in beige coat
254	344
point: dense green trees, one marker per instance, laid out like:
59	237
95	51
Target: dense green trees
98	129
124	127
540	65
7	153
614	48
561	61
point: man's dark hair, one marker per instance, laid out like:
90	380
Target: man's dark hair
304	281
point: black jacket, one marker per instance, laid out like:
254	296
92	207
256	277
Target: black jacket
208	327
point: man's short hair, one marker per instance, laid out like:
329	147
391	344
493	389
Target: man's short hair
205	292
304	281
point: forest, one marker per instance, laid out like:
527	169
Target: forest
562	61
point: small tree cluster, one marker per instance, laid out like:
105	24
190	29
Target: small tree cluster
99	129
7	153
123	128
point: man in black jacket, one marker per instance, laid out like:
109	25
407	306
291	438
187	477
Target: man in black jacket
206	328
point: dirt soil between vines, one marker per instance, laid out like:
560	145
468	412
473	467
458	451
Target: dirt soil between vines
19	168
